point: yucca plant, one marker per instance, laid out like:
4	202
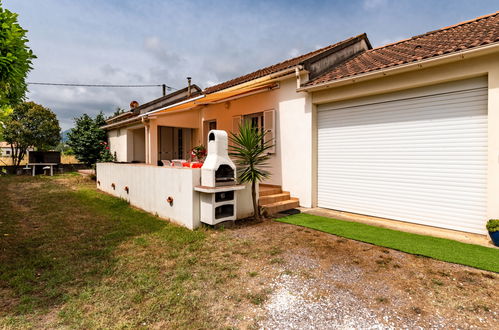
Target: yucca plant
249	149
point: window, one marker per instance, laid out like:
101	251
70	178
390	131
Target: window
263	121
7	152
256	120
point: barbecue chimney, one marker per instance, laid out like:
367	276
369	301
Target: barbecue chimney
218	169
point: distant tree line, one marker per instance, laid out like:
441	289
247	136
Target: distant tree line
88	141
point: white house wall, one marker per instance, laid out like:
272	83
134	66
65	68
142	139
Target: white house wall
294	132
118	143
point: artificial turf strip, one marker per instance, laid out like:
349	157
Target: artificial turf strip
438	248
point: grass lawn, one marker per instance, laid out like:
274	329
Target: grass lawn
72	256
438	248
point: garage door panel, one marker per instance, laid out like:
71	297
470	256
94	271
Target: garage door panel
400	113
421	159
407	191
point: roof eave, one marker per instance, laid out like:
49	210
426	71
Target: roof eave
267	78
125	122
425	63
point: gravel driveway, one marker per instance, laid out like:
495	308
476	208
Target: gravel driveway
320	281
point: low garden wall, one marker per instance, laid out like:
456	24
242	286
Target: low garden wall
149	187
61	168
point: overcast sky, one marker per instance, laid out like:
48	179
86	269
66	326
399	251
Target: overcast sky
159	41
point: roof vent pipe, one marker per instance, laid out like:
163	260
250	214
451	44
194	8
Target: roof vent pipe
188	86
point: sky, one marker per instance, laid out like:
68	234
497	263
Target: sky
163	42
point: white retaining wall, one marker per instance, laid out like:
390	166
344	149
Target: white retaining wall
150	186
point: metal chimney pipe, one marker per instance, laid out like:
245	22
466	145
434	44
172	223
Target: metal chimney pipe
164	89
188	86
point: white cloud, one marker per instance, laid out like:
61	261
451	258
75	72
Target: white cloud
294	53
155	42
373	4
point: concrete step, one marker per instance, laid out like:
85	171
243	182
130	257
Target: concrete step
269	199
277	207
265	190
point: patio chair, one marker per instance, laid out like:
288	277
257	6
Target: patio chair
178	162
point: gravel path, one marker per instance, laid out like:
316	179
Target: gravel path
296	304
321	281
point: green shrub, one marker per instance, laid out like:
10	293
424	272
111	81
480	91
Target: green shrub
493	225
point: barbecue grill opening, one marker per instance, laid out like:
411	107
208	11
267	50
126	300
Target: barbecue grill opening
224	196
224	211
224	173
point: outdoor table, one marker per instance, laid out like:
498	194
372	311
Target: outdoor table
44	164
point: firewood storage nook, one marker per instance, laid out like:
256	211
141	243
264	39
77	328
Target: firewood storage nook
218	182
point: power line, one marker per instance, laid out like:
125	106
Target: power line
98	85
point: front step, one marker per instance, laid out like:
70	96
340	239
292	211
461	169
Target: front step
273	200
280	206
269	199
266	190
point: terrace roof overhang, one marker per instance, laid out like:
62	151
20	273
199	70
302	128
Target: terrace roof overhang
214	98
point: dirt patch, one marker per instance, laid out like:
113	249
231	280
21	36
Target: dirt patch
19	201
325	281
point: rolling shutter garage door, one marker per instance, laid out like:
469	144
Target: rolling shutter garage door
418	156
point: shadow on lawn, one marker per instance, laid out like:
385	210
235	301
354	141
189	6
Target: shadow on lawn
56	240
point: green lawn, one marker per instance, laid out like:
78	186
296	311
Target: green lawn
73	257
438	248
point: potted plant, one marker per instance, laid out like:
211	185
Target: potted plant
198	153
493	228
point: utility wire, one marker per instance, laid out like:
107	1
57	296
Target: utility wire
97	85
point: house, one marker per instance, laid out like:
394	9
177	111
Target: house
127	132
410	130
266	97
407	131
5	150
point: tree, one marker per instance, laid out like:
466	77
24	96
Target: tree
4	114
88	141
30	125
117	112
15	59
249	149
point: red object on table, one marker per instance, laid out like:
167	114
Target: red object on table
192	165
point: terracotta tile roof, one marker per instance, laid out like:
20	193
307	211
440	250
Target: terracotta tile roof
466	35
276	67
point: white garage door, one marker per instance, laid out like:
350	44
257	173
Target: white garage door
418	156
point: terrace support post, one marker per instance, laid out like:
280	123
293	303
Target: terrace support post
153	142
147	139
